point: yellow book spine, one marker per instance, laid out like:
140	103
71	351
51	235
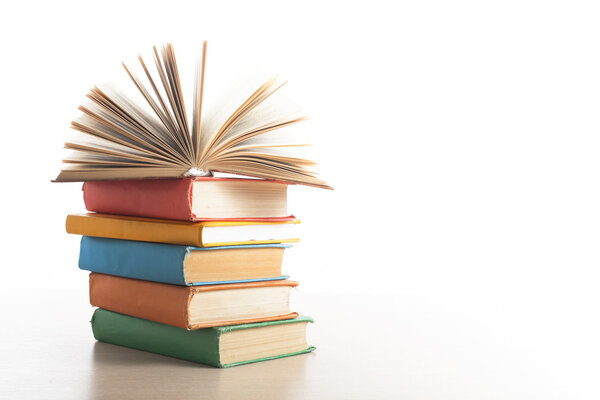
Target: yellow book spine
135	229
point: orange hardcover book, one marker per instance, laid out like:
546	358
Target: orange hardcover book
193	307
200	234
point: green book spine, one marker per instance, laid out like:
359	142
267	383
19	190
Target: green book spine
201	345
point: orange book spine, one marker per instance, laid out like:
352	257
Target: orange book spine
165	303
159	302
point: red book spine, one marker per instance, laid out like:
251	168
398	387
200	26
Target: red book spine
153	198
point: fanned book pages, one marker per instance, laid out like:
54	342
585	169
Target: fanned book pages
124	139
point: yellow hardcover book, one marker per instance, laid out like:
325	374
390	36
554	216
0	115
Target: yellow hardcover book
199	234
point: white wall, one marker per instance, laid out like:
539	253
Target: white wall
462	139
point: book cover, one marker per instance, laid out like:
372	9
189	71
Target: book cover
175	198
172	304
201	346
162	262
180	232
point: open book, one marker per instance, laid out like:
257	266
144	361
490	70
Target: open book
123	139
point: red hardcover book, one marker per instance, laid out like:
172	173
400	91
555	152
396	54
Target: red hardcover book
190	199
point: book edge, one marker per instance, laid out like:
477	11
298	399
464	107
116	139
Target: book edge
307	350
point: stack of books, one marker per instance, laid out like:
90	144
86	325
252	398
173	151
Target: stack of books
191	268
183	263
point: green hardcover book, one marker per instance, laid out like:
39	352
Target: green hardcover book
222	347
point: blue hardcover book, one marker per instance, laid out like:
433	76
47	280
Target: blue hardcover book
182	265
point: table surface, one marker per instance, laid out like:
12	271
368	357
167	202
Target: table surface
413	346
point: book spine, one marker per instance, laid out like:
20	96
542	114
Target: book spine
201	346
147	230
139	260
155	198
159	302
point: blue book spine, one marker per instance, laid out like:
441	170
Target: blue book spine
145	260
140	260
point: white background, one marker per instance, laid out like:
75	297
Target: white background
462	140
